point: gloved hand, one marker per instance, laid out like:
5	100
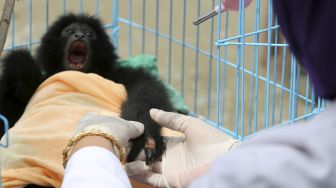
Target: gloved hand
185	158
231	5
121	129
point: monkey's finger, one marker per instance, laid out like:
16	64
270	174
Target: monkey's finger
155	167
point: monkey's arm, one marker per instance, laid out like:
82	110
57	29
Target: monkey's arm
20	76
144	92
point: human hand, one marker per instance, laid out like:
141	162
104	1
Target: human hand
119	128
225	5
185	158
231	5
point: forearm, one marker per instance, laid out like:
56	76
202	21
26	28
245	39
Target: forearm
93	162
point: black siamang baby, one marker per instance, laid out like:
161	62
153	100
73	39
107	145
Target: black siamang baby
79	42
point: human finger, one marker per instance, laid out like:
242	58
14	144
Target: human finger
139	167
139	171
120	128
156	167
170	120
233	4
136	130
91	118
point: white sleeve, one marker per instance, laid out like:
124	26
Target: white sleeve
259	166
94	167
301	155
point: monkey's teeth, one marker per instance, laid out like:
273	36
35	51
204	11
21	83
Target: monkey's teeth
76	66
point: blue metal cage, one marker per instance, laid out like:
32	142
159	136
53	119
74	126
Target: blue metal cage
235	71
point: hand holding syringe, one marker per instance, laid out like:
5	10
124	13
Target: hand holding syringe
224	6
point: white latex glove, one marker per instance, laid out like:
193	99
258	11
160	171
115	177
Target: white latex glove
121	129
185	158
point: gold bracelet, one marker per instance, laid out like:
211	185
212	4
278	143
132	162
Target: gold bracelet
114	141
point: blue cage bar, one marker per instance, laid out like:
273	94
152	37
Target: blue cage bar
235	70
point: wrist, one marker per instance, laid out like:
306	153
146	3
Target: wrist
98	141
94	138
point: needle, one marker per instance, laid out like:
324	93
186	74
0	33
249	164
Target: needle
205	17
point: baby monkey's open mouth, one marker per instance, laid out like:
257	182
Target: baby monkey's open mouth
77	55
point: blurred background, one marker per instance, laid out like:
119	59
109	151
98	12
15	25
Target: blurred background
234	71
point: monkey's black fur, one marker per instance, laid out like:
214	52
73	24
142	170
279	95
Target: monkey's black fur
22	74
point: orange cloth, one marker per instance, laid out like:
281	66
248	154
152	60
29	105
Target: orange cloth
37	140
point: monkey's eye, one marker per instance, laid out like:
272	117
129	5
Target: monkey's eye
88	34
70	31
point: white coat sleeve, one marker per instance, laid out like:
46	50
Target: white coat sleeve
302	155
94	167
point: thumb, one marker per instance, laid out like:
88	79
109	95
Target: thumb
136	129
170	120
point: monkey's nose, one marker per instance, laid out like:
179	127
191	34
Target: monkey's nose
79	35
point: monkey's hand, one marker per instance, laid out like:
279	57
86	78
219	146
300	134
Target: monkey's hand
151	142
185	158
